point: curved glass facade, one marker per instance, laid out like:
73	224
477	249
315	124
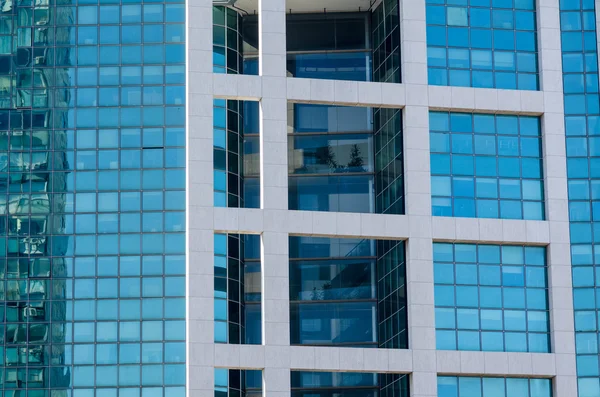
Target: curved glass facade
227	114
229	289
228	153
237	289
92	252
385	26
478	44
227	41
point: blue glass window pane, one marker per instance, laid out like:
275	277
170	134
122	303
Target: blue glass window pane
469	386
443	273
492	341
445	318
468	340
448	386
445	340
437	76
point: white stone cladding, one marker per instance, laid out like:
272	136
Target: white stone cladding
274	222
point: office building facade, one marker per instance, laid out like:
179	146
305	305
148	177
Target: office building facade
411	188
353	198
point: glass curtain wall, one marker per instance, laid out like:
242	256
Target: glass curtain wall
477	44
486	166
582	128
93	198
491	298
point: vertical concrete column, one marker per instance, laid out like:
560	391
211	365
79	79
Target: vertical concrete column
199	144
557	203
274	195
275	289
419	258
275	313
273	106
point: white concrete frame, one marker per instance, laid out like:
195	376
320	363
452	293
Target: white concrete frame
274	222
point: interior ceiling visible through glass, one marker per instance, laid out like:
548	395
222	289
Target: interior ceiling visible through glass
299	6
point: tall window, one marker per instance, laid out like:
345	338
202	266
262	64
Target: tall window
491	298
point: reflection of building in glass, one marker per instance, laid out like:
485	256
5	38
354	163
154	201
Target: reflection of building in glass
92	198
34	196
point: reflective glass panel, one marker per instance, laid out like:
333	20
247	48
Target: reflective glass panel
491	298
486	166
478	44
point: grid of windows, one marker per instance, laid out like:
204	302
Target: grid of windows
482	43
582	128
491	298
92	203
391	294
468	386
389	164
486	166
